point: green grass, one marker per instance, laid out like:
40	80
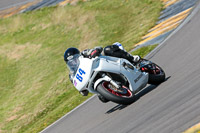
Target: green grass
143	51
34	85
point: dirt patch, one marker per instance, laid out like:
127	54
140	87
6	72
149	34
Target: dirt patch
16	52
13	113
41	26
86	19
17	109
24	116
12	118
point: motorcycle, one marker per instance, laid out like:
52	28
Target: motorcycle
113	79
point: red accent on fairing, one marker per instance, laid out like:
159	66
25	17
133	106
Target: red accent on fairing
143	69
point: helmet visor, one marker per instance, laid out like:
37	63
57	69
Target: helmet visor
73	64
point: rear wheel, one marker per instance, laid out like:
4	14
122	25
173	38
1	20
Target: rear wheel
120	95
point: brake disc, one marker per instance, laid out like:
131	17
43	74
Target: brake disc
118	90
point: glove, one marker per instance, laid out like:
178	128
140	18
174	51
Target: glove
85	53
95	52
136	58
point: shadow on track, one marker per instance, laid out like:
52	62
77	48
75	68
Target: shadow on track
148	89
138	96
118	107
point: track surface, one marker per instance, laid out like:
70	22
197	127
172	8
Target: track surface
171	107
10	3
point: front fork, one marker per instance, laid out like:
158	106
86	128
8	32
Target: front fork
105	78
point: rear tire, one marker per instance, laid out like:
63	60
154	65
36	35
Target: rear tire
127	97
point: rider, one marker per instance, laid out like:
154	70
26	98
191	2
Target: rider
116	50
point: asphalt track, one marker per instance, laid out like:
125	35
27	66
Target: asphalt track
10	3
171	107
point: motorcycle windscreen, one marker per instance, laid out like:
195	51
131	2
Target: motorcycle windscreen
73	64
83	73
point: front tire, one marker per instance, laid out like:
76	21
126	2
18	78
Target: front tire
158	76
156	73
106	90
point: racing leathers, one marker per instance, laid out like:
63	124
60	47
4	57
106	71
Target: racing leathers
111	50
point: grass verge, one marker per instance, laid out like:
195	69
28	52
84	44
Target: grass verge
143	51
35	90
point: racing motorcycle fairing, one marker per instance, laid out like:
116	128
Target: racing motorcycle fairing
89	69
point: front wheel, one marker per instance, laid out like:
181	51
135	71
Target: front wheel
156	73
158	76
120	95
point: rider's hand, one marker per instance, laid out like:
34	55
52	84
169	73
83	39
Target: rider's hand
136	58
95	52
85	53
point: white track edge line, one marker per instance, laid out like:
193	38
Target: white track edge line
68	113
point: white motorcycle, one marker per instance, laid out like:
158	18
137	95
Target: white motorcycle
113	79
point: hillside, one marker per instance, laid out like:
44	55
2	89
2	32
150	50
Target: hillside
34	85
